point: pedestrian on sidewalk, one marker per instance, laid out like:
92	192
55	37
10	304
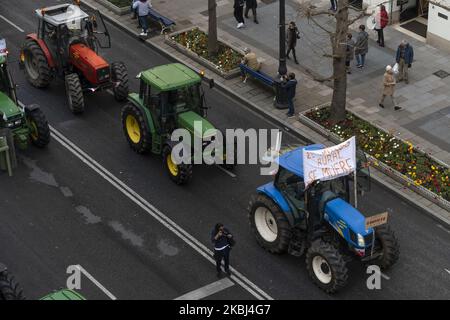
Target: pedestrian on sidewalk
239	13
388	87
292	35
349	52
333	5
361	46
134	11
223	241
381	21
251	4
290	85
404	58
143	7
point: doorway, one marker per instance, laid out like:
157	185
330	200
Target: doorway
414	16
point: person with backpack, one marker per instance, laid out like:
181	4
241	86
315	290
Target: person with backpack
223	241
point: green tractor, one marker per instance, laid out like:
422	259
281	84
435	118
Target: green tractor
170	98
26	124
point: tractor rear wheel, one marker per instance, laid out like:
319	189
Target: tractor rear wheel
269	224
74	93
120	74
135	129
326	266
37	69
9	289
389	246
39	129
178	173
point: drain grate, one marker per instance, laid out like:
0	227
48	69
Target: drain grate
441	74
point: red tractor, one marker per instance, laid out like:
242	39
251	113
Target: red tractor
66	46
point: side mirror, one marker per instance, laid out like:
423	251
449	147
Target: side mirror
211	83
139	75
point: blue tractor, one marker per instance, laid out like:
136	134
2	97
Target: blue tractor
318	221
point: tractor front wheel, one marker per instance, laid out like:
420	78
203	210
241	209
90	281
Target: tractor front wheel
37	69
135	129
326	266
269	224
178	173
9	289
74	93
389	246
39	129
120	76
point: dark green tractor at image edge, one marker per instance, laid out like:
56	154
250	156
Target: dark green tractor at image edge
319	222
26	124
170	97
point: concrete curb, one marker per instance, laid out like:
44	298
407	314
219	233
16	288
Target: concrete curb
285	125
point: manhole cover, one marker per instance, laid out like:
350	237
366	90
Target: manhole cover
441	74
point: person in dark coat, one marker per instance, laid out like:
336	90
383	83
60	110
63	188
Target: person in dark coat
290	84
251	4
349	52
404	58
239	12
361	46
220	237
292	35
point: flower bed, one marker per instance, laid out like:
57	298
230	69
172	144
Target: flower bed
398	155
196	41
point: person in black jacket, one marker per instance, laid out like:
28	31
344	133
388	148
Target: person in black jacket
292	35
290	84
220	237
251	4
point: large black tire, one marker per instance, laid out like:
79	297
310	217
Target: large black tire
39	129
269	224
135	128
37	69
9	289
120	74
389	246
179	173
326	266
74	93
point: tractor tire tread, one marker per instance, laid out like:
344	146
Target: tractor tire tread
74	89
120	73
9	289
44	70
43	138
145	145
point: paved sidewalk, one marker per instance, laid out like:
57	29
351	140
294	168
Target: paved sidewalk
362	97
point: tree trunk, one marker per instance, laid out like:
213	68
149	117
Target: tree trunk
339	40
213	45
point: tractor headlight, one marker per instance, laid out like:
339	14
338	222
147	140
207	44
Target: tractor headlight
361	241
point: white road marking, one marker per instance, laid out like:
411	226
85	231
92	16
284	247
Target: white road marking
12	23
443	228
207	290
240	279
384	276
94	281
447	271
231	174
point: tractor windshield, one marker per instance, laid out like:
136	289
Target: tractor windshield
185	99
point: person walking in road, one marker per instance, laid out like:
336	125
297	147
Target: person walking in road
221	238
388	87
239	12
404	58
361	46
142	7
349	52
251	4
292	35
381	21
290	85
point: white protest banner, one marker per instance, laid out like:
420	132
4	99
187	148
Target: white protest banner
3	47
329	163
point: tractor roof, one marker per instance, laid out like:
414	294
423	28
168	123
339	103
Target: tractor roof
61	14
293	160
170	77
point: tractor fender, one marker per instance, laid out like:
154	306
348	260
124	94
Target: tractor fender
275	195
41	43
32	107
134	99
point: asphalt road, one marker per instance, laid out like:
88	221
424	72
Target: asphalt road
57	211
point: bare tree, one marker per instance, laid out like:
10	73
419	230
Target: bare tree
213	45
338	39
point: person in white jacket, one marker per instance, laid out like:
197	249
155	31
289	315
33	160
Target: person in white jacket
143	7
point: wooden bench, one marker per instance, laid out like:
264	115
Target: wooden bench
258	75
164	22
